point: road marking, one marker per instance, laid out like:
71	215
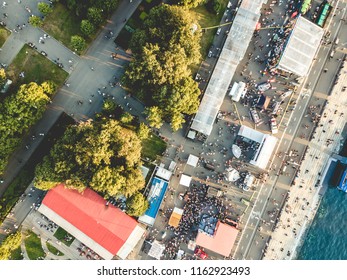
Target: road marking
261	201
334	23
314	72
290	131
299	107
294	119
247	235
319	60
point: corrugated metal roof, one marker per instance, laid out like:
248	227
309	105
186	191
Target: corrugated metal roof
233	51
106	225
301	47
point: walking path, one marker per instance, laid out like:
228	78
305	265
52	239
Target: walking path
83	82
305	194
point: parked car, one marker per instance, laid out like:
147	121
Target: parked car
219	30
200	253
273	125
264	86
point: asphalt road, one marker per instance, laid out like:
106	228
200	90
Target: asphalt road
316	87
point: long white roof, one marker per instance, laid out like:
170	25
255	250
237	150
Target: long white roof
301	47
233	51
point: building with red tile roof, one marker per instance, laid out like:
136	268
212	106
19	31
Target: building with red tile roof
87	216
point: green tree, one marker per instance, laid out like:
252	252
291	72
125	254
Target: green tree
143	131
44	8
190	3
215	6
87	27
9	244
154	116
78	43
3	77
48	87
95	16
18	112
137	205
126	118
35	21
164	51
103	155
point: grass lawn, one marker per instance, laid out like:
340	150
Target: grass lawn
207	19
4	33
152	147
36	68
53	250
33	246
61	234
62	24
16	254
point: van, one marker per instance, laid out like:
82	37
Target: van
219	30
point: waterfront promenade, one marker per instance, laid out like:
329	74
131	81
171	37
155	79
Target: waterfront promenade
304	196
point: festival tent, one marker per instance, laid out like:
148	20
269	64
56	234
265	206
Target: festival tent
221	242
175	217
156	250
185	180
193	160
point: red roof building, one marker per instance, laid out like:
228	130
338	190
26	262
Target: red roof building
103	228
221	242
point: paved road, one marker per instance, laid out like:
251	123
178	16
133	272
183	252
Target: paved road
256	234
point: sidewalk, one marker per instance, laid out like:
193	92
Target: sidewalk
305	195
11	48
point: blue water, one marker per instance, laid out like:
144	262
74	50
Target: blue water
327	237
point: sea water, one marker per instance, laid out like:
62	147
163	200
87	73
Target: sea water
327	237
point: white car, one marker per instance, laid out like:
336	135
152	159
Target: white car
273	125
219	30
209	54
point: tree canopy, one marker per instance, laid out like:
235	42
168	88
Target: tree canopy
9	244
44	8
3	77
164	51
18	113
137	205
102	155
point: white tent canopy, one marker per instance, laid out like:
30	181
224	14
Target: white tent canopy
163	173
234	49
236	151
185	180
301	48
232	175
156	250
193	160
